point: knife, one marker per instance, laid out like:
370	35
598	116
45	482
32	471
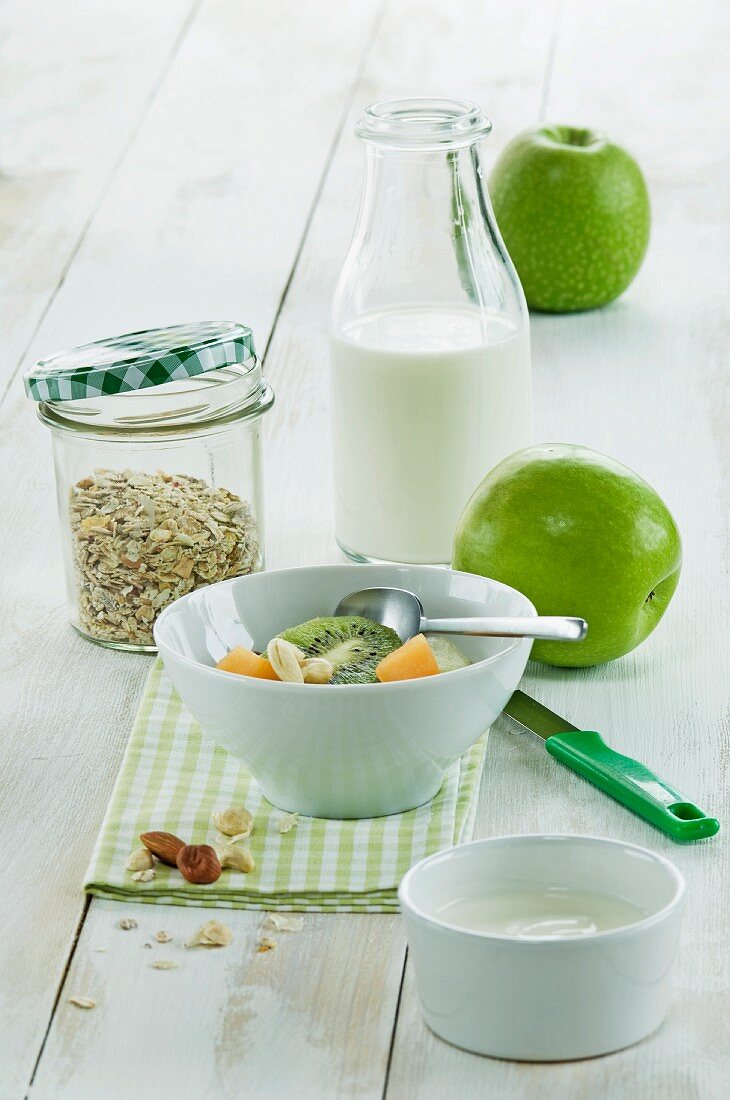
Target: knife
626	780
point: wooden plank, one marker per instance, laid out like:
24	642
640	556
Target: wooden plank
227	1022
203	218
641	380
75	85
75	81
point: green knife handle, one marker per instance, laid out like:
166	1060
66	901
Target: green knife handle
631	783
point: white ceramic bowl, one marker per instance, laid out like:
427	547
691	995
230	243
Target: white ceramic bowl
357	750
546	999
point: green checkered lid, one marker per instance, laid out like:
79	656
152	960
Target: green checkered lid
138	360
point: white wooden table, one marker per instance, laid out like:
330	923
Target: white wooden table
190	159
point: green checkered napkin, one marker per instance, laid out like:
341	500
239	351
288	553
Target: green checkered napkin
172	778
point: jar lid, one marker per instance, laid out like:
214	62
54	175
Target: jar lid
138	360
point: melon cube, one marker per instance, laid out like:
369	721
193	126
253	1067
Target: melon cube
411	661
246	663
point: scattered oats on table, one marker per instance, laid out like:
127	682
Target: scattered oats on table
82	1002
284	922
211	934
126	923
142	540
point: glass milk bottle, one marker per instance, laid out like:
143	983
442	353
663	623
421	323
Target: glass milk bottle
430	345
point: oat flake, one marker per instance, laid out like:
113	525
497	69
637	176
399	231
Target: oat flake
288	822
211	934
284	922
143	876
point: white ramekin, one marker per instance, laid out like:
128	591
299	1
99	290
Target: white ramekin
543	999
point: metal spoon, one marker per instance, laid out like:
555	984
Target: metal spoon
403	612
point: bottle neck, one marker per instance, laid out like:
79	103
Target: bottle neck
412	184
424	213
425	234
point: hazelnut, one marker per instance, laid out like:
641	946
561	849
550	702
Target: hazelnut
198	863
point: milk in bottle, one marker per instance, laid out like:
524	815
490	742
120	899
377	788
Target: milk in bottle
430	350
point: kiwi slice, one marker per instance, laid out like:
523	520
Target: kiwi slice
448	656
354	645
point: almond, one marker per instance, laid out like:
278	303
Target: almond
198	863
163	845
285	660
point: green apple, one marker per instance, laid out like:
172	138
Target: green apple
573	210
579	534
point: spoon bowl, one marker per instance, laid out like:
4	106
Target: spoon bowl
403	612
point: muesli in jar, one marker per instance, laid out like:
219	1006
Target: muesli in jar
141	541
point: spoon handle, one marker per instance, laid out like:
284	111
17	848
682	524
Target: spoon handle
552	628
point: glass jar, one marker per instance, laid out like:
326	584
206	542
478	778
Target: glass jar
430	346
157	455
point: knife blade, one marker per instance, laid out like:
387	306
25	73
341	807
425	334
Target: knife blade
535	717
628	781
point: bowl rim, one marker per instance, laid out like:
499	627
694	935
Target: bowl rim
558	942
397	685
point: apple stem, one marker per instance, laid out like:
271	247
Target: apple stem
571	135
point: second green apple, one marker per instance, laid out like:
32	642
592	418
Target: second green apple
579	534
573	209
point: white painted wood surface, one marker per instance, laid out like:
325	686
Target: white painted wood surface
201	216
161	162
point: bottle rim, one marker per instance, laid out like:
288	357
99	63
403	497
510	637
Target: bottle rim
423	123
